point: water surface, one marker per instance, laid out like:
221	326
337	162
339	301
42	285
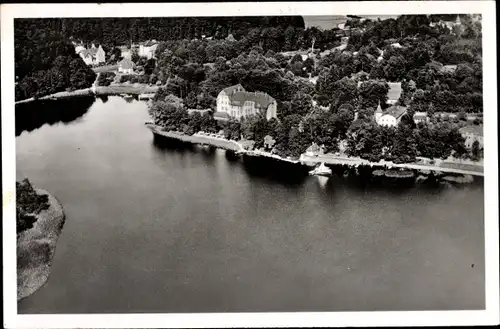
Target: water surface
159	227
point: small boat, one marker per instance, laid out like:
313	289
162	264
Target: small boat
127	96
321	170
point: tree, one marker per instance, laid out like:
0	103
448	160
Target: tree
345	92
475	151
395	69
134	55
269	142
371	93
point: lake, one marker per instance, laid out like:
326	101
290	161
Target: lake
157	226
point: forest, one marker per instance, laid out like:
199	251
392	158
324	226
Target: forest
350	81
439	68
46	63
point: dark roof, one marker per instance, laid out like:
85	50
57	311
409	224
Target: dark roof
395	111
261	100
238	96
394	90
230	90
126	64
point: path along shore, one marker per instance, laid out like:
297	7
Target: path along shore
222	143
36	247
114	89
442	166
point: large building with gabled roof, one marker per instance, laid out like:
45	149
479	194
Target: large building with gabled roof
238	103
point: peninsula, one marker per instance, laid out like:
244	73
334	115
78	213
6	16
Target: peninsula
40	219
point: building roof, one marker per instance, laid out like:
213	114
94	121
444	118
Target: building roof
394	90
79	48
230	90
379	109
420	115
261	100
87	52
221	115
238	96
395	111
149	43
473	129
449	68
126	64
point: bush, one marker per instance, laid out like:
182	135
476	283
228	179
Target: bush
105	78
132	78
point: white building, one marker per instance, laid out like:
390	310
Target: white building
390	117
472	134
126	66
148	49
92	56
237	103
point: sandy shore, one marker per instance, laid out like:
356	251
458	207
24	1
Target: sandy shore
36	247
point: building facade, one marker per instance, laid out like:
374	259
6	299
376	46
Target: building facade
148	49
92	56
391	117
472	134
238	103
126	66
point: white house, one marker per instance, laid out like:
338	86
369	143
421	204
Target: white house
148	49
472	134
238	103
92	56
126	66
390	117
420	117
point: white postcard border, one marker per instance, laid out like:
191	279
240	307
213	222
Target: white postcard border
325	319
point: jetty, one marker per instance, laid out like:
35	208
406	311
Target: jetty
147	96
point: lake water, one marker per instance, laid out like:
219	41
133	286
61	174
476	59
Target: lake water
158	227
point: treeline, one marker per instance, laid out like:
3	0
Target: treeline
351	83
46	63
111	32
198	85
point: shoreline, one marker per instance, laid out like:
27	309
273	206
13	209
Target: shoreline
311	160
36	248
221	143
110	90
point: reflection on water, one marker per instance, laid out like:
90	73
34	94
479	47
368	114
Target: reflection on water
31	116
270	169
103	98
322	181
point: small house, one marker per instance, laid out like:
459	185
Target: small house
471	134
390	117
126	66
